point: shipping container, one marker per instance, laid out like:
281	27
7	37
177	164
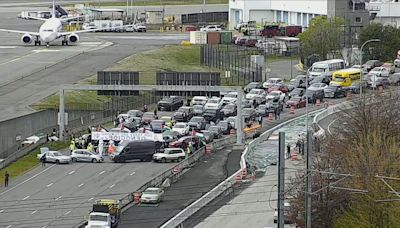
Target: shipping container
197	37
213	38
225	37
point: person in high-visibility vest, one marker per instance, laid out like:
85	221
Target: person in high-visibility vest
111	148
90	147
72	146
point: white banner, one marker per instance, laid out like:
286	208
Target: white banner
122	136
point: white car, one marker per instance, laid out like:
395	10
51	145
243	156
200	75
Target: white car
211	28
55	156
256	94
152	195
139	27
181	128
213	103
198	100
396	62
272	81
318	86
170	154
380	72
275	94
85	155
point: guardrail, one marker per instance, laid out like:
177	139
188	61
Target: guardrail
227	183
172	173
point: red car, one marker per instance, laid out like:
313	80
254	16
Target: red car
297	102
280	87
148	117
250	43
182	142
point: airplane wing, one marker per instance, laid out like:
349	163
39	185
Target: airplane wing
70	18
36	18
20	32
89	30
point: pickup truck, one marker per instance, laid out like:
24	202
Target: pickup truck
105	214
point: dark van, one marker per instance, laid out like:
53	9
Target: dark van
135	150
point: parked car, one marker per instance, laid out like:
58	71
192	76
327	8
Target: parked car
169	121
296	101
85	155
271	82
334	92
301	80
262	110
197	123
229	110
184	114
232	121
152	195
138	27
276	104
276	94
355	86
376	81
211	28
314	95
249	114
213	103
213	115
320	79
208	136
379	71
371	64
395	79
216	131
198	100
225	127
157	126
257	95
297	92
55	156
170	154
181	128
198	110
250	43
390	67
252	85
148	117
170	103
278	87
182	142
318	86
246	103
135	113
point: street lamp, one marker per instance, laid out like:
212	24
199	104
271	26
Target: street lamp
362	72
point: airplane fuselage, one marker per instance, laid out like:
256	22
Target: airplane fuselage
50	29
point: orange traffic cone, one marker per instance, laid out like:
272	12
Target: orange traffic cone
292	108
318	102
270	116
348	96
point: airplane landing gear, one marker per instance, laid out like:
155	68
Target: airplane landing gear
47	45
38	43
64	42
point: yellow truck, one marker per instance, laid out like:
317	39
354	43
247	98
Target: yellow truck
345	77
106	214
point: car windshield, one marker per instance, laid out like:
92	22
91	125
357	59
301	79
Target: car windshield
378	69
196	119
247	111
198	100
317	69
252	85
223	124
148	115
197	107
151	191
254	91
274	93
232	95
334	88
370	62
297	91
355	84
180	125
156	124
295	99
56	154
213	101
183	109
214	128
213	111
230	107
166	99
166	118
338	79
316	85
133	112
101	218
261	107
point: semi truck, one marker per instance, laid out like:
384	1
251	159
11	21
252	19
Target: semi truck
105	214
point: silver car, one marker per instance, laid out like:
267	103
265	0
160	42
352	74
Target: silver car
152	195
85	156
54	156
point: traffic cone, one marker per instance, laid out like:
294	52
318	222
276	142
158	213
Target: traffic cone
348	95
270	116
318	102
292	108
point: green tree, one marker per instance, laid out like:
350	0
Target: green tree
386	49
322	37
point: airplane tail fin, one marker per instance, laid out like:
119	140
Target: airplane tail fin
53	12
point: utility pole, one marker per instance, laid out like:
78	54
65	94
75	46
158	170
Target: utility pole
281	181
308	179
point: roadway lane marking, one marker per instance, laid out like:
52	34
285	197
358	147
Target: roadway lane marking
33	212
102	172
49	185
67	213
73	171
112	186
23	182
7	47
90	199
26	197
329	126
58	198
133	173
9	226
1	211
81	185
44	226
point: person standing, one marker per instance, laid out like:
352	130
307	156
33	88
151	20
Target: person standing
6	178
276	113
155	111
288	150
100	148
43	159
279	113
260	120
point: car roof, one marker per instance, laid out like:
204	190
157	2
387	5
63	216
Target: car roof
152	188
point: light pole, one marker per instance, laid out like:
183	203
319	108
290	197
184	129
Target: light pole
362	72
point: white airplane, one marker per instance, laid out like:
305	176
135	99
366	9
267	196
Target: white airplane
50	31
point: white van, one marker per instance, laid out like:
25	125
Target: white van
326	67
198	100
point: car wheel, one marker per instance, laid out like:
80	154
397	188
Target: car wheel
74	160
57	162
163	160
180	159
94	160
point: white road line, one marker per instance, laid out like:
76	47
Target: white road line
112	186
7	47
329	126
33	212
23	182
81	185
26	197
102	172
58	198
44	226
9	226
73	171
90	199
49	185
133	173
1	211
66	213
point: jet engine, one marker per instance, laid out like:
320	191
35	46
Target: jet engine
73	38
26	39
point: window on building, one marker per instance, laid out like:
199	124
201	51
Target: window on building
285	17
298	19
278	16
305	22
358	19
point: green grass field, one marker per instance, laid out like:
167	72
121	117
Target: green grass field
28	161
